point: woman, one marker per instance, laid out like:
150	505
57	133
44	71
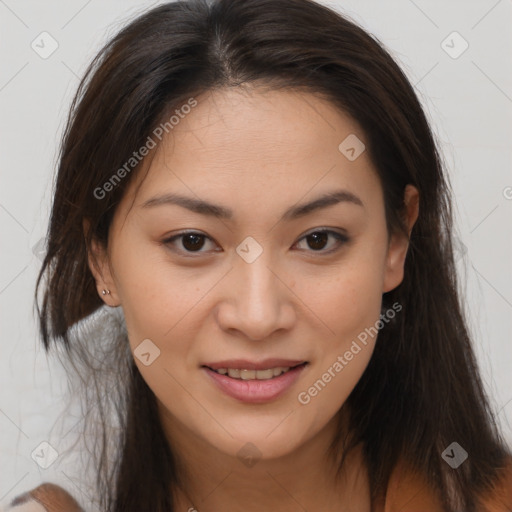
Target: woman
254	184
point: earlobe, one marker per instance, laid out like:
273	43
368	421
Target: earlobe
399	243
97	259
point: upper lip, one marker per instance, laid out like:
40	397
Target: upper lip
243	364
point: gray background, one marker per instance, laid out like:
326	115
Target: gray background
467	98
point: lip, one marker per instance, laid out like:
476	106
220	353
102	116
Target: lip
243	364
256	391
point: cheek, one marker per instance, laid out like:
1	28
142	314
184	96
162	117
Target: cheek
155	294
330	385
352	315
161	303
349	305
349	299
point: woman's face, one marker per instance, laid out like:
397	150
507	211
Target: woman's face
254	287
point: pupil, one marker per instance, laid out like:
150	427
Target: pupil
195	242
318	237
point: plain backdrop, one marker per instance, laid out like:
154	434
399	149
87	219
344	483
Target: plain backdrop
468	98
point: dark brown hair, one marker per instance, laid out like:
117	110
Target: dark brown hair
421	390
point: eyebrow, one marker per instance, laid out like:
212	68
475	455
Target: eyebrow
221	212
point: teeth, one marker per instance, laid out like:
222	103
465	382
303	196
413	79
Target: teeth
278	371
253	374
245	374
264	374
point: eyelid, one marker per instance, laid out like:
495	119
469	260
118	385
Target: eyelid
340	235
169	240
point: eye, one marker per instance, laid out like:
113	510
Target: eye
318	239
193	241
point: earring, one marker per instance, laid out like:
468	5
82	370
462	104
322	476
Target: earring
105	292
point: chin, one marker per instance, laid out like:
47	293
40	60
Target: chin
267	439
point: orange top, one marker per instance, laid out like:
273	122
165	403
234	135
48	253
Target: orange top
406	492
409	492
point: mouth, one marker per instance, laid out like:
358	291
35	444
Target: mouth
255	382
247	374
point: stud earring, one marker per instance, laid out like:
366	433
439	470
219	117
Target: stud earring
105	292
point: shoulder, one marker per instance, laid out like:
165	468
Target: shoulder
410	491
500	498
406	491
47	497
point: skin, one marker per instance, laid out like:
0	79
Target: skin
256	152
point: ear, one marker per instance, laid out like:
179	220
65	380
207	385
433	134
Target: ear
399	243
99	264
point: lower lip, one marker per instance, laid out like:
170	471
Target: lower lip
256	391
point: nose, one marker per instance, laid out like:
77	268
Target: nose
257	300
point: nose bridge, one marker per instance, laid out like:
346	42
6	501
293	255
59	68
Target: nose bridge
259	286
257	302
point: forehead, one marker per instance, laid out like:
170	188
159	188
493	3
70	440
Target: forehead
258	125
235	143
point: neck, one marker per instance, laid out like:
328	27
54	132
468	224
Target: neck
304	479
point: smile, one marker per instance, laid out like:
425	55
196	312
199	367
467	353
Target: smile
242	374
255	385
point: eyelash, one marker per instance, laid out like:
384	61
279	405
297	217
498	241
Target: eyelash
340	237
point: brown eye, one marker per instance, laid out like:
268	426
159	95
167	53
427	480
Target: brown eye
316	241
191	242
319	239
